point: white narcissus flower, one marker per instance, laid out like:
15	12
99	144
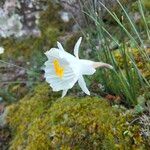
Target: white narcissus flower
1	50
63	70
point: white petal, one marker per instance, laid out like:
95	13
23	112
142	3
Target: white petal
82	84
53	52
1	50
76	47
64	93
60	46
87	70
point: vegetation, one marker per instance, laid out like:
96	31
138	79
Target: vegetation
132	70
39	119
71	123
27	54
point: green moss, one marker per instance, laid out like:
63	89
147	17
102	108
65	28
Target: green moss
146	3
39	121
28	110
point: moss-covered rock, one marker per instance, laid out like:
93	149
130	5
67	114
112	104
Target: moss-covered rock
39	121
28	109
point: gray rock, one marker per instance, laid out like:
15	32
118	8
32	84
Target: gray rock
76	7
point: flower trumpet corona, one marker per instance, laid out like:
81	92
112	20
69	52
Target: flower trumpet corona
63	70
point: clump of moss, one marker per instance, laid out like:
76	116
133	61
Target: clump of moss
27	110
41	95
39	121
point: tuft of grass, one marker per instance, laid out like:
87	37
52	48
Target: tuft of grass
128	80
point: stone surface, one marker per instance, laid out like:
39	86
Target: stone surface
76	7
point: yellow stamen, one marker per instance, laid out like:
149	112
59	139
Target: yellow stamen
58	69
